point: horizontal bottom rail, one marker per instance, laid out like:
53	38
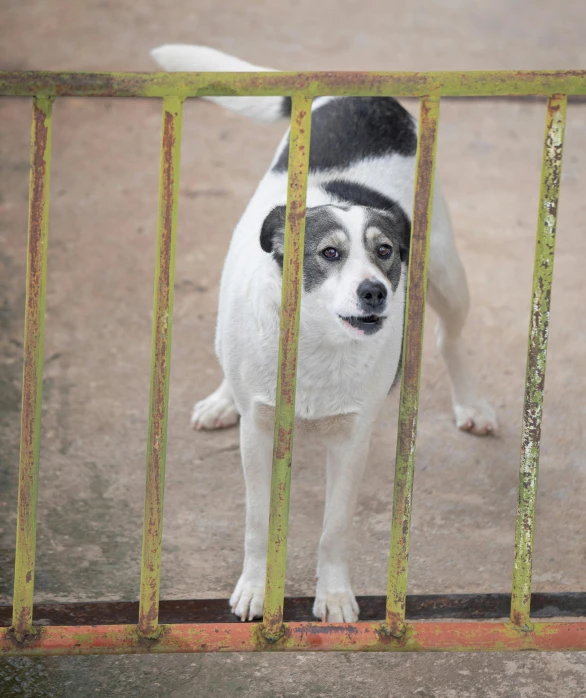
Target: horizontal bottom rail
420	636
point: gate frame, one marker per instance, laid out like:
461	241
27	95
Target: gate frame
393	632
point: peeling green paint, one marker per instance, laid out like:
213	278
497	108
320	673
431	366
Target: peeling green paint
309	84
411	369
536	358
150	577
393	634
32	380
286	379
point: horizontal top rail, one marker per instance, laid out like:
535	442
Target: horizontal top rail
401	84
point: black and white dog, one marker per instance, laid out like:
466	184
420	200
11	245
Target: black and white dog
359	200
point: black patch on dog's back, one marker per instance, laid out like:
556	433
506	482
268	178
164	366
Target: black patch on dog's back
346	130
286	107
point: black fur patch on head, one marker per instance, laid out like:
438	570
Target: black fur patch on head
320	222
346	130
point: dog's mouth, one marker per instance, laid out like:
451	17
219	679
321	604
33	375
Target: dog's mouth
369	324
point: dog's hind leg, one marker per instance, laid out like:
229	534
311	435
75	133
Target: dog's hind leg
334	599
217	411
448	296
256	447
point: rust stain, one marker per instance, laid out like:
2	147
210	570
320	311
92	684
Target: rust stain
284	440
412	351
37	213
517	618
152	531
455	636
314	635
32	366
536	360
286	379
402	84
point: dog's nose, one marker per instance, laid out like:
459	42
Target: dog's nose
373	295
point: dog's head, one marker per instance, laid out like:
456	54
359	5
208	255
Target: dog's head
353	263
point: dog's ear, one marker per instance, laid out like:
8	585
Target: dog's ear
272	234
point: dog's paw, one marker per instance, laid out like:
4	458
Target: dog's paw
215	412
248	599
478	418
336	606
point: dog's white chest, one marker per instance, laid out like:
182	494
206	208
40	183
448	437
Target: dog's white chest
331	383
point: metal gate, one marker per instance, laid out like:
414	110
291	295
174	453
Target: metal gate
127	627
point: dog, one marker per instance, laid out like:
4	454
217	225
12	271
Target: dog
359	202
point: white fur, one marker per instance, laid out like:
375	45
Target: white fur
343	378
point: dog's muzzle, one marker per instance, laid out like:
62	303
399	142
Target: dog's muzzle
369	324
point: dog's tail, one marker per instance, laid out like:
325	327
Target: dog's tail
183	57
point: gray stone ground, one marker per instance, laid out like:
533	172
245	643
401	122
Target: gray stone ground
102	232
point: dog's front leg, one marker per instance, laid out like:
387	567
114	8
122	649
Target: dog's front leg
334	598
256	446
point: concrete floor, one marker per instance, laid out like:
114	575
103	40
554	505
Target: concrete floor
99	295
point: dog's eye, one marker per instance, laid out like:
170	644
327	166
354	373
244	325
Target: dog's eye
330	253
385	251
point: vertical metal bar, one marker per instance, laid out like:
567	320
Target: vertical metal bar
536	358
286	381
411	371
150	579
32	380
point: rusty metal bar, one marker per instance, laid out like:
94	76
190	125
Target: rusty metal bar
32	378
273	634
536	358
314	84
421	636
150	578
286	378
411	370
